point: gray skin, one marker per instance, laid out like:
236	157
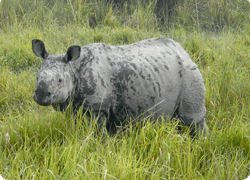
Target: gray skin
154	77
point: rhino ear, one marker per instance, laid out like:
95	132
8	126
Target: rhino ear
73	53
39	49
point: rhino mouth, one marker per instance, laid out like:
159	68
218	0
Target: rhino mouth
43	99
44	104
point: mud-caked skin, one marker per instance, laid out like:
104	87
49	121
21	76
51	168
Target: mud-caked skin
154	76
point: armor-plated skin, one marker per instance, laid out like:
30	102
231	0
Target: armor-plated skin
118	82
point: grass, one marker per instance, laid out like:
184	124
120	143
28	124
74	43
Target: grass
40	143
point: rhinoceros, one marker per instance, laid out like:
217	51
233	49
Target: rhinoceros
150	77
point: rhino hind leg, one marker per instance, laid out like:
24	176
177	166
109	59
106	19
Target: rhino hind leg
191	108
199	129
198	126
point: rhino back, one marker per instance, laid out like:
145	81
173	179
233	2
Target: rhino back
144	74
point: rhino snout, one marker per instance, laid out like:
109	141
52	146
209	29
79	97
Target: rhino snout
42	95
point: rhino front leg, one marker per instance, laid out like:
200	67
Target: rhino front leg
101	122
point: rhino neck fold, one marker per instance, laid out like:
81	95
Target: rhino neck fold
76	80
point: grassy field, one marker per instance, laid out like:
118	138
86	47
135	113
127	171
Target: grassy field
40	143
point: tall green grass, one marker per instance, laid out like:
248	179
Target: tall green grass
40	143
207	15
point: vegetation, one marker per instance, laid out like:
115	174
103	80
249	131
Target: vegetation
40	143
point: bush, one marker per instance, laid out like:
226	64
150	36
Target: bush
208	15
212	15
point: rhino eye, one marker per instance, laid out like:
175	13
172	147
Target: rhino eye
60	80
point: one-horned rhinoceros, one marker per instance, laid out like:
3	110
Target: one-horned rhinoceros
154	76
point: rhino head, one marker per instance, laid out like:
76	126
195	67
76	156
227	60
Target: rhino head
56	79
